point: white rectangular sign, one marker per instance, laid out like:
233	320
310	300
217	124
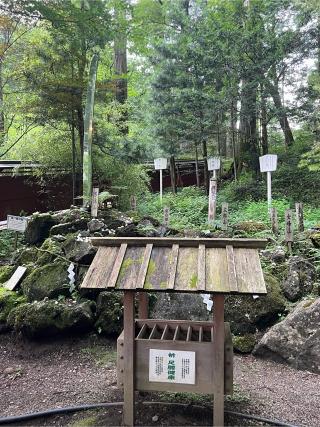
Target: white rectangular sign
213	163
17	223
171	366
268	163
160	163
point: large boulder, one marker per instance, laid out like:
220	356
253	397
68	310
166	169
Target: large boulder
247	314
109	313
69	227
8	301
38	228
25	255
50	280
49	251
300	278
295	340
180	306
79	250
49	318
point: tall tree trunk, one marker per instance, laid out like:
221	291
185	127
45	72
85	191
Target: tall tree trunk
197	165
87	141
205	165
120	65
264	122
248	125
2	127
233	125
281	113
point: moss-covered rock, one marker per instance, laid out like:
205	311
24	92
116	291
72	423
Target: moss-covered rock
250	226
6	272
49	281
49	318
79	250
38	227
8	301
49	251
69	227
26	255
247	314
109	313
244	343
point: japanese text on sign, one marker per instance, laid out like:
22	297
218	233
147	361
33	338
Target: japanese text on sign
17	223
172	366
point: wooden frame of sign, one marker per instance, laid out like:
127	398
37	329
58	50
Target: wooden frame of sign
218	266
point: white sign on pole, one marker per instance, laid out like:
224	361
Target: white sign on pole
171	366
160	163
268	163
17	223
213	163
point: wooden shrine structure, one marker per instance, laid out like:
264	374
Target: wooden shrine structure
174	355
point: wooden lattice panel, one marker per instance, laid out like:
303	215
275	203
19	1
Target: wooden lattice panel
180	265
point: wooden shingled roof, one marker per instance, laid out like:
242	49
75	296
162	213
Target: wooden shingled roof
177	264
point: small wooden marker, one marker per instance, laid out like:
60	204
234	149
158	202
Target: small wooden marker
166	216
299	217
274	221
133	203
94	202
212	201
289	229
224	216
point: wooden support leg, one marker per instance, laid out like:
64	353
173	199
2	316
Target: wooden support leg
129	354
218	367
143	305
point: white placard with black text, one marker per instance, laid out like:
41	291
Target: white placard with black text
171	366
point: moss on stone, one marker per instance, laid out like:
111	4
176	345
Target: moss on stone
48	252
49	281
250	226
109	313
6	272
25	256
244	343
8	301
193	281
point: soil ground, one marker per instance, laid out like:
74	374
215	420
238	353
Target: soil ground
72	371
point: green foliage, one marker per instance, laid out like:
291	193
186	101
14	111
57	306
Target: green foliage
188	209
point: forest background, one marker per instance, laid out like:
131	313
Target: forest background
189	78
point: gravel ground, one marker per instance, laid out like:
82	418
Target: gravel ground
39	376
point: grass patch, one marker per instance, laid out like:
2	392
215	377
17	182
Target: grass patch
102	356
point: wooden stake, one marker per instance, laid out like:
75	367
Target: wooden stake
143	305
94	202
299	217
129	353
173	175
133	203
289	229
224	216
212	201
166	216
274	221
218	368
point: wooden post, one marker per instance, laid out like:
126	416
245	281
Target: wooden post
274	221
166	216
218	368
129	354
133	203
212	201
299	216
289	229
143	305
224	216
94	202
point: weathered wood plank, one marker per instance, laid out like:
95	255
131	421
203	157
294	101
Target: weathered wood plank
173	266
231	269
201	286
144	266
100	268
248	271
117	265
15	278
181	241
187	270
217	279
130	267
218	360
158	269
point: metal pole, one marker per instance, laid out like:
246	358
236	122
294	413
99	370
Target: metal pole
214	174
269	189
161	185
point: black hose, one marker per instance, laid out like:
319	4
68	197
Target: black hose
68	409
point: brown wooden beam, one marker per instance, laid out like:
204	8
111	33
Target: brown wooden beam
181	241
143	305
129	363
218	360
